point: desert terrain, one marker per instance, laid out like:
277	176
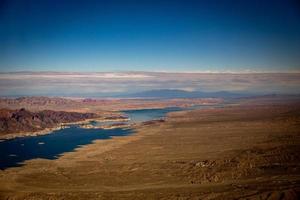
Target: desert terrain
248	150
31	116
99	105
149	99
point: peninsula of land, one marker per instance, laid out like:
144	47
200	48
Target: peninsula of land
32	116
21	122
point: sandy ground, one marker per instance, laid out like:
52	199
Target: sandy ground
104	107
238	152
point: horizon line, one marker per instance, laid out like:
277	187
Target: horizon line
162	71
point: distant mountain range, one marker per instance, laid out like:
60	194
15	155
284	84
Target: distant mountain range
170	93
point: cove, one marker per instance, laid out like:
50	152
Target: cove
15	151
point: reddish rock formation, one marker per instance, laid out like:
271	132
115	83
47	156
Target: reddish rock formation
22	120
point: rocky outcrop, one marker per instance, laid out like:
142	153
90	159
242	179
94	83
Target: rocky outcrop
115	125
22	120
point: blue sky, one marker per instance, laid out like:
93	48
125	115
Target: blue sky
65	35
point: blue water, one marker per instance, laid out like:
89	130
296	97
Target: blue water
149	114
14	152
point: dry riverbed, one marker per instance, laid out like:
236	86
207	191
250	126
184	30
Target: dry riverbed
238	152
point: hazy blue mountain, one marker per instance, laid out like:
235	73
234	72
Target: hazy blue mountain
170	93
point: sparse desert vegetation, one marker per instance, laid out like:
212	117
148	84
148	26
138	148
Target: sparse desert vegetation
241	151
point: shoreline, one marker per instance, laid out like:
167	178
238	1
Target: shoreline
120	118
227	158
60	126
83	124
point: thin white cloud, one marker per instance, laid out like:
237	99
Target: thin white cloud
129	82
70	76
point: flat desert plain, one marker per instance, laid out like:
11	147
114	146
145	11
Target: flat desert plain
246	151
